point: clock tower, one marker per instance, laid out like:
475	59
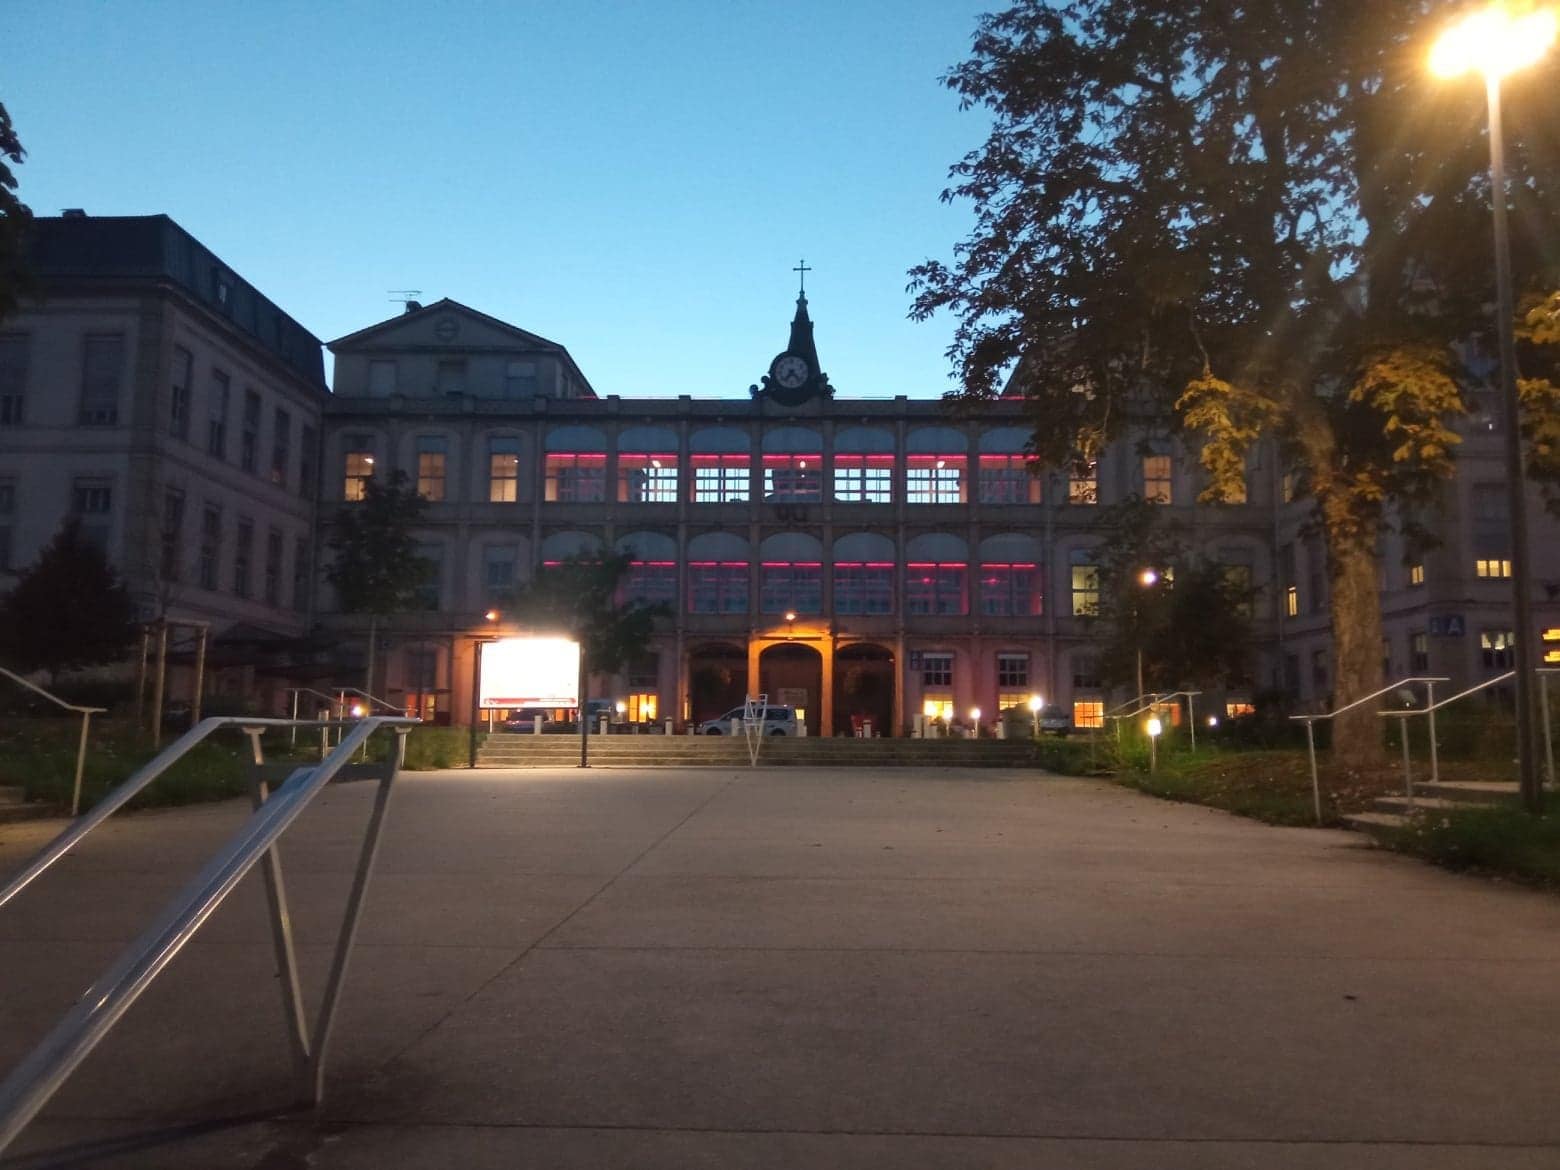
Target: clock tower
794	377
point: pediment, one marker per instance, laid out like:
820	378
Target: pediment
445	324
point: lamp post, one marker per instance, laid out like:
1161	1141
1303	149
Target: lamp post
1035	703
975	719
1148	578
1494	42
1155	728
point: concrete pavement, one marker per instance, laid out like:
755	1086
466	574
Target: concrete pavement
791	967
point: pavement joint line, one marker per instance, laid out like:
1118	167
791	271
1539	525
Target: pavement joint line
562	922
1200	956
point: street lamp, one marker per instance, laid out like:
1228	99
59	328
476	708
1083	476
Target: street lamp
1148	578
1035	704
975	718
1494	42
1155	729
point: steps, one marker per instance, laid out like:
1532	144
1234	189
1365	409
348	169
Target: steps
14	805
688	751
1395	812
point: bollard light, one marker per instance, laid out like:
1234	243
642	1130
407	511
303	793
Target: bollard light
1155	727
357	710
1213	721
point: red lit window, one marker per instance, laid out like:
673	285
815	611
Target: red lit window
934	589
1009	590
720	479
864	479
935	479
576	478
647	479
863	588
650	583
793	479
1005	479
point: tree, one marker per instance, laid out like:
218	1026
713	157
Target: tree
579	598
375	568
68	609
1241	221
1190	621
14	218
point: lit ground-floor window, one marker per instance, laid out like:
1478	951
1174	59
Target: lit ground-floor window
1088	713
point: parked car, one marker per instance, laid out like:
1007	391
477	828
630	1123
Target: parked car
1056	720
777	721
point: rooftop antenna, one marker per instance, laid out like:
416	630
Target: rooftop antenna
405	296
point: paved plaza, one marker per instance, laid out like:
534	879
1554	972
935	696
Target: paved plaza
877	968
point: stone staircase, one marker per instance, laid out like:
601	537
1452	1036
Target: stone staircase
14	805
711	751
1393	812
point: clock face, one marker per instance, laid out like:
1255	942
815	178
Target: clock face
790	370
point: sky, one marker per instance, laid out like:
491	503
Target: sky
635	181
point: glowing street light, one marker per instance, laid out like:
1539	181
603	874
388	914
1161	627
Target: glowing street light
1148	578
975	718
1155	729
1035	705
1495	42
491	615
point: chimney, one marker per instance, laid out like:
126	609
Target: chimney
73	213
414	306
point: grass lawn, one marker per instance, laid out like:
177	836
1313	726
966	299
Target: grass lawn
1499	839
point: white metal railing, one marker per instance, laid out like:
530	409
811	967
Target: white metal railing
32	1083
1543	673
1311	721
86	714
1147	702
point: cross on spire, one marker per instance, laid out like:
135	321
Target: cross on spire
804	270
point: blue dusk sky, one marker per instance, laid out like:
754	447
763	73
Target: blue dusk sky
634	181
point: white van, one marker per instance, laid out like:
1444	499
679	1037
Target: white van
777	721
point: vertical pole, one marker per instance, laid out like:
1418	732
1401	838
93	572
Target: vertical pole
584	711
1516	478
81	763
1191	717
1435	751
1140	672
140	681
159	682
1316	784
1408	776
293	733
476	696
1549	742
200	676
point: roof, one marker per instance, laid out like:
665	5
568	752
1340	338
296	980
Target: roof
154	247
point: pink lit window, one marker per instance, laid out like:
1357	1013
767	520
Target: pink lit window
793	479
647	479
935	479
1005	479
864	479
1010	590
576	478
718	587
651	583
790	587
935	589
863	588
720	479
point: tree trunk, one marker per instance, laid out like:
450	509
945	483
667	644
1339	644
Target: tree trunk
1356	628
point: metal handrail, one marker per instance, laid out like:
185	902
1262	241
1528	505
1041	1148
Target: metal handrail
32	1083
1311	719
1155	699
1543	673
385	703
86	714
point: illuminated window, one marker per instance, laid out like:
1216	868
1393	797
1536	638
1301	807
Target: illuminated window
1492	568
1288	576
863	588
647	479
1291	600
720	479
935	479
1010	590
430	467
790	587
643	706
1551	647
576	479
503	470
651	583
1156	479
1012	670
1416	573
357	466
1497	648
793	479
937	669
937	705
1085	582
718	587
1088	713
1235	708
864	479
934	589
1083	482
1007	700
1005	479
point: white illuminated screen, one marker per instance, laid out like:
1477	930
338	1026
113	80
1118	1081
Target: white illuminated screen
530	672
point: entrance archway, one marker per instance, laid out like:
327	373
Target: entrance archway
863	688
717	680
792	675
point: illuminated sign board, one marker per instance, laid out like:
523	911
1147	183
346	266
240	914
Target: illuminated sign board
530	672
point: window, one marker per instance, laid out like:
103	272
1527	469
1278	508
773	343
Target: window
281	446
1010	590
92	497
1497	649
1156	479
720	479
520	379
381	378
864	479
1086	672
934	479
1286	575
13	379
1088	714
643	706
1005	479
7	511
243	541
273	567
102	367
1291	600
790	587
172	535
718	587
503	470
937	669
422	670
793	479
431	467
498	572
647	479
937	704
577	479
1085	584
308	471
1491	504
357	466
863	588
1012	670
1419	652
430	591
300	579
651	583
216	415
210	545
934	589
249	432
179	393
450	377
1083	482
1318	671
1416	573
1235	708
1499	567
